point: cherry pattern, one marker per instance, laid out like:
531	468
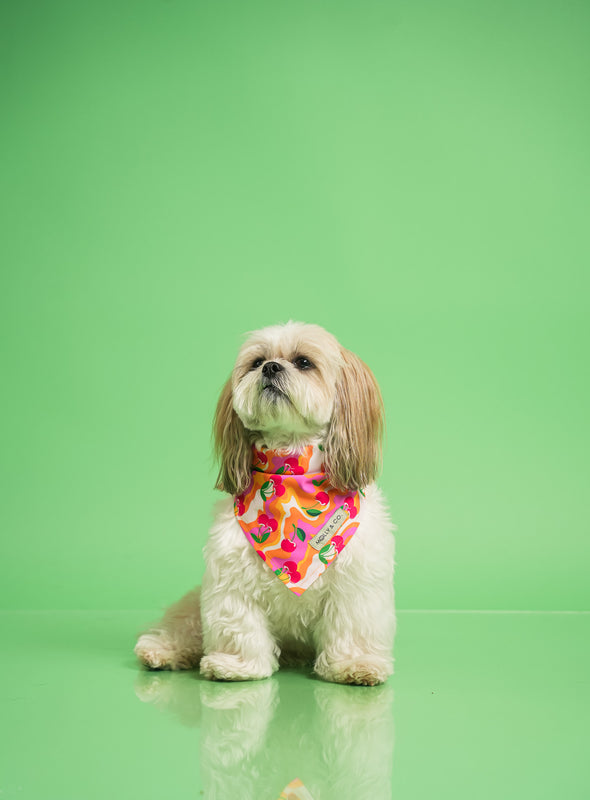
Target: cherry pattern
273	485
350	506
288	502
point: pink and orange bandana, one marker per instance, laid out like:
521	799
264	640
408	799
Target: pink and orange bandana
291	515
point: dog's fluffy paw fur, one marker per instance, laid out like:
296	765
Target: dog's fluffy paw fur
361	671
176	641
160	651
227	667
155	651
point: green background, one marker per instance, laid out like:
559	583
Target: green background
411	175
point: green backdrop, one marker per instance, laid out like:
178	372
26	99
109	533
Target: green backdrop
411	175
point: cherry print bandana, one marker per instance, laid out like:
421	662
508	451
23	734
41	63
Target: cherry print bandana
291	515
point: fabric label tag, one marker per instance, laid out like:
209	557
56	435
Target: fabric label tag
329	529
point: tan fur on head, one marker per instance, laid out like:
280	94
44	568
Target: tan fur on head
232	445
354	437
335	401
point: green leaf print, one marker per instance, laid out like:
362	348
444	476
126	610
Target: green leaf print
319	483
322	553
264	489
280	470
313	512
261	537
300	534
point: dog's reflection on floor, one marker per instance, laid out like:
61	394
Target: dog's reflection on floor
257	737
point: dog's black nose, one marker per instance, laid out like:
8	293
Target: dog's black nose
271	368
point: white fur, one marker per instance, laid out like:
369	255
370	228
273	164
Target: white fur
345	621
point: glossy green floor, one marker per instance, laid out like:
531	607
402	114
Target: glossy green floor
483	705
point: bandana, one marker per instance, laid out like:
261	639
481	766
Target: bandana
295	520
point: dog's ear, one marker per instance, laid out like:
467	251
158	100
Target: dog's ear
232	447
353	442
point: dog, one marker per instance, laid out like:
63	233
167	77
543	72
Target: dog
300	557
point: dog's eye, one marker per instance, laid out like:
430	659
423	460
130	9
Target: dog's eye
258	363
303	363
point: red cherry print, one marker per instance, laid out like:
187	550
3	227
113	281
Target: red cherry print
261	554
267	521
322	498
287	546
278	485
295	577
293	466
240	505
338	542
261	457
290	566
349	503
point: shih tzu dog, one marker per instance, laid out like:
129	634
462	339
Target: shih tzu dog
299	560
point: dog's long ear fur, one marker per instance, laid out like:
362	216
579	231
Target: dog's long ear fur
232	446
353	442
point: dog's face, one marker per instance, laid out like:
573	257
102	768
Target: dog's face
284	382
291	385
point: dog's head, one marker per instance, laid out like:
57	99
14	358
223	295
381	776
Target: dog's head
293	385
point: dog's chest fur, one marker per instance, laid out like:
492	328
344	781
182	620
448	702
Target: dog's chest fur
235	564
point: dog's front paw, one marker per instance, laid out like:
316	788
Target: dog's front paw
228	667
361	671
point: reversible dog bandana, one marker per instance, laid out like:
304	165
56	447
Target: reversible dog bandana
291	515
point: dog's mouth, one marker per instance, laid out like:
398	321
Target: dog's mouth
271	391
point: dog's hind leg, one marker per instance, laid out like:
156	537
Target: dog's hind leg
176	641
